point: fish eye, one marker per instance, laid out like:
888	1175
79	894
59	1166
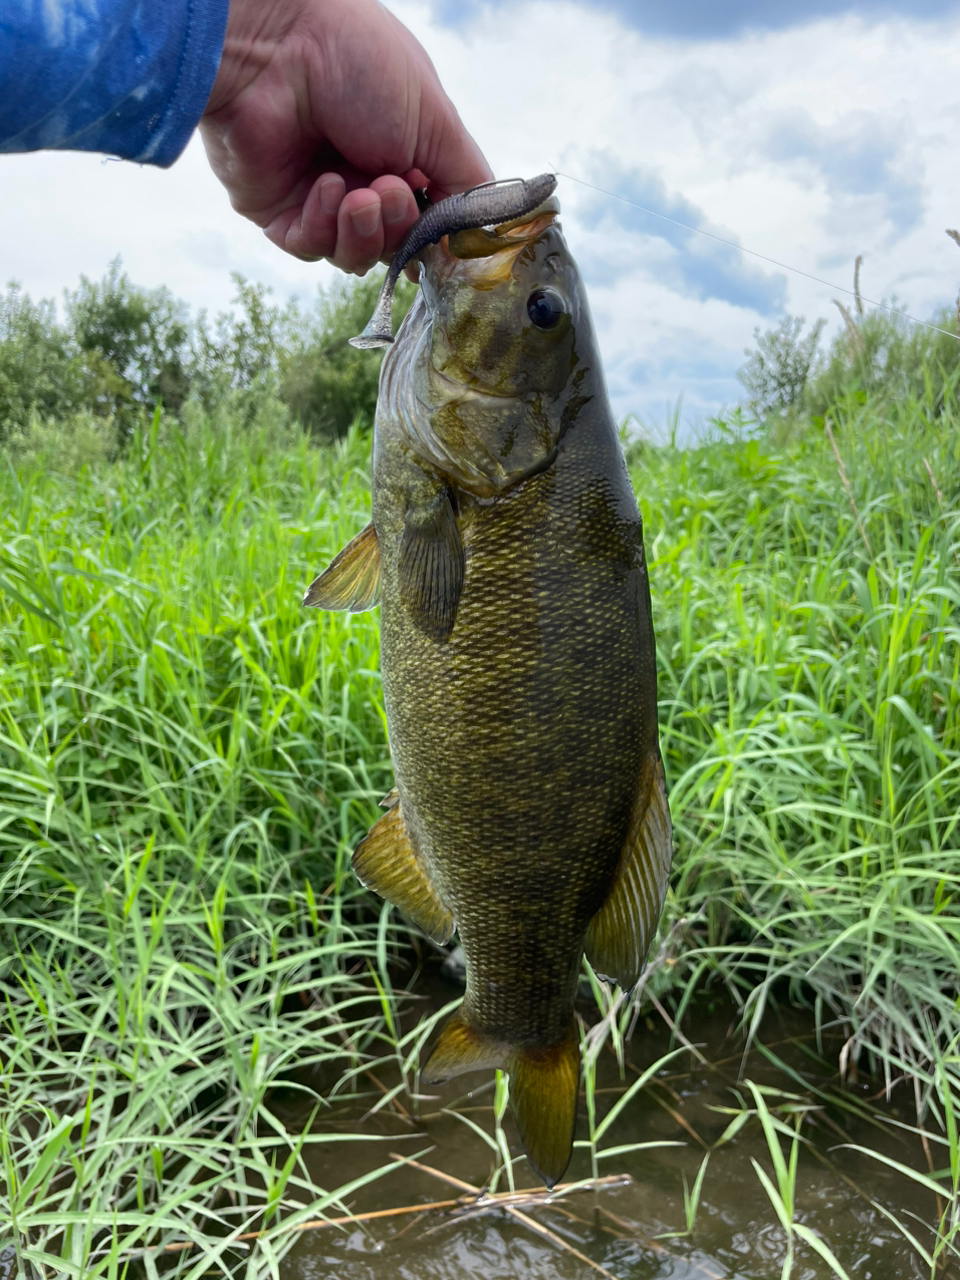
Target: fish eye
545	307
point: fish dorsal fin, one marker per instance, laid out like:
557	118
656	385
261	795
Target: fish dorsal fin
431	566
386	862
351	581
619	935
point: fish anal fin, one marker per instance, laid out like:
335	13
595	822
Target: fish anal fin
544	1086
351	581
386	862
619	935
431	566
461	1048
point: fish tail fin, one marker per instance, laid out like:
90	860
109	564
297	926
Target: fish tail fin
544	1086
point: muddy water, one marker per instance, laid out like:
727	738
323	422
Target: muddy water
637	1231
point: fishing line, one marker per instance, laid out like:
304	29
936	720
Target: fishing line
731	244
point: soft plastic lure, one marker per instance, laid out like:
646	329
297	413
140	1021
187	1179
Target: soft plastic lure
483	206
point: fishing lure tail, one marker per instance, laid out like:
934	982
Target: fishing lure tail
544	1086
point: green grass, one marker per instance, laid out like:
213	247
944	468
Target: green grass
187	758
808	616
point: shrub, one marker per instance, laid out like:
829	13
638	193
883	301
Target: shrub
776	373
140	336
74	441
39	370
882	355
887	356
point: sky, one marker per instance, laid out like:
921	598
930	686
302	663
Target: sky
807	132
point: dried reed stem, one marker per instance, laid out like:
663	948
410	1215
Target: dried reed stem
525	1195
675	1030
955	237
316	1224
559	1242
495	1200
936	488
856	283
529	1222
678	1118
933	480
846	484
854	336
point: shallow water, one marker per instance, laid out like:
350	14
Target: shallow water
626	1230
634	1230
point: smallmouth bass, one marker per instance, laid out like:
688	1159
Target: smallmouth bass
517	651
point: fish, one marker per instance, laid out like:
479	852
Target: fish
506	553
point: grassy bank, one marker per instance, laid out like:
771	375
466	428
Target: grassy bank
808	626
187	757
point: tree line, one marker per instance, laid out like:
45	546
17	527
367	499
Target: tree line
117	351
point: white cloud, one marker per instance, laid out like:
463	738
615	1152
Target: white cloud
698	116
707	19
63	214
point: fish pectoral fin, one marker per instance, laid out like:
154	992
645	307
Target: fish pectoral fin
544	1086
431	566
351	581
619	935
386	862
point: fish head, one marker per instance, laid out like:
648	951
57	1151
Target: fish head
504	306
498	356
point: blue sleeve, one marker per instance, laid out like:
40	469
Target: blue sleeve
127	77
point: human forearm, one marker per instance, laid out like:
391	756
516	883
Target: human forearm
321	117
126	77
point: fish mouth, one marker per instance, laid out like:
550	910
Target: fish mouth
451	390
484	257
515	199
484	242
481	258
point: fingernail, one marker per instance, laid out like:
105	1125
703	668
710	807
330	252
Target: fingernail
394	205
366	220
332	191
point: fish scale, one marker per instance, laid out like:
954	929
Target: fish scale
518	660
517	760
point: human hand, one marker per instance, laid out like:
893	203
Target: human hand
324	117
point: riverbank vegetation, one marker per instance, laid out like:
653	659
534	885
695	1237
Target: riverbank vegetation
187	759
85	374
